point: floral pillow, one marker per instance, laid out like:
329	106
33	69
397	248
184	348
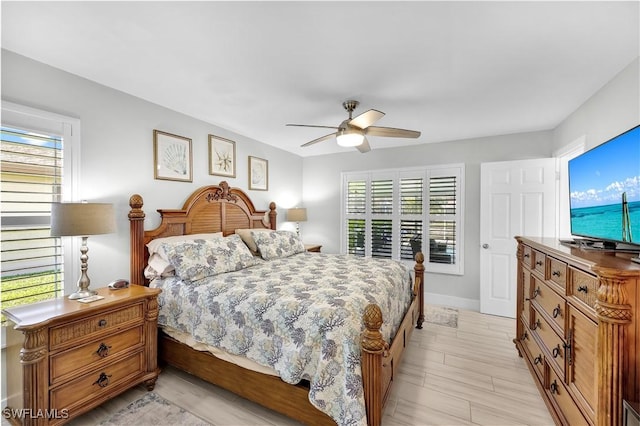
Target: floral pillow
197	259
273	245
158	266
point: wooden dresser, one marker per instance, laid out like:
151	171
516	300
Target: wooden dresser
77	355
578	329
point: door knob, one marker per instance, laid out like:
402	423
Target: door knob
485	246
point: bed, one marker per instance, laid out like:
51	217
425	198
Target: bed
222	209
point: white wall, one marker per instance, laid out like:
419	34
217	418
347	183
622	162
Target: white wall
612	110
117	153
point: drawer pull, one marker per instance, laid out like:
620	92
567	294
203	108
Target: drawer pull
556	273
539	262
556	311
537	360
103	380
524	336
535	294
583	288
556	351
527	255
536	325
103	350
102	323
553	387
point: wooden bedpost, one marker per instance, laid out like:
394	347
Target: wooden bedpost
272	215
419	286
136	224
374	349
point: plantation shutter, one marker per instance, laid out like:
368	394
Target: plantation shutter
32	165
381	223
442	219
411	197
356	202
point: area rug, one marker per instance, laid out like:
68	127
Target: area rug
441	315
152	409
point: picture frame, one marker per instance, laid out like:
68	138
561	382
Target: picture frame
172	157
258	174
222	156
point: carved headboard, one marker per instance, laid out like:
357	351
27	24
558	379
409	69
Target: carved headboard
214	208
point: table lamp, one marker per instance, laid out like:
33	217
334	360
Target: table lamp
82	219
297	215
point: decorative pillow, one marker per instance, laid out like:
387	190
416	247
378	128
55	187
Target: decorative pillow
246	236
277	244
197	259
158	264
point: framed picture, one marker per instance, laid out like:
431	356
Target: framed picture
258	174
222	156
172	157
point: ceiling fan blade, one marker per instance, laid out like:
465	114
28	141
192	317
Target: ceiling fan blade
312	125
364	146
366	119
391	132
323	138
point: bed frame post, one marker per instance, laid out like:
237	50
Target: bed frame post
374	349
136	224
419	286
272	215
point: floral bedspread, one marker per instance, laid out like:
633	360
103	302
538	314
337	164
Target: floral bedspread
300	315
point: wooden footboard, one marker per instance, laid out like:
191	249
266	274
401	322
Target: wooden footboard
221	208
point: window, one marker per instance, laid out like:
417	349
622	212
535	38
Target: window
35	153
390	213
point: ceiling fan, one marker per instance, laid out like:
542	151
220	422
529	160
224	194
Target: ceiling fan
353	132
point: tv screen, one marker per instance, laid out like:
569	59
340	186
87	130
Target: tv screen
604	187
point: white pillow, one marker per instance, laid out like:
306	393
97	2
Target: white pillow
158	264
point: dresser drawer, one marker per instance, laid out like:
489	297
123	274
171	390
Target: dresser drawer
553	344
539	263
527	256
94	326
583	286
550	303
535	354
64	364
558	272
98	382
561	397
526	293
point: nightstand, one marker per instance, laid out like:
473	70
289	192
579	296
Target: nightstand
315	248
76	355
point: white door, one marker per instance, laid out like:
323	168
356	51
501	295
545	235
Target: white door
516	198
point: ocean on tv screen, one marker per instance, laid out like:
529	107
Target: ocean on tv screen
605	221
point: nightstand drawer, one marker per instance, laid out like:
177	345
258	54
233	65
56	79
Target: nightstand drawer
97	382
71	361
84	329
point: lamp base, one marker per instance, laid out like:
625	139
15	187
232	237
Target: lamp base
82	294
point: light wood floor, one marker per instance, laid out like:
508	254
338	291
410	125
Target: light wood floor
471	375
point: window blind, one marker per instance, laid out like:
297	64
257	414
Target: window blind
32	173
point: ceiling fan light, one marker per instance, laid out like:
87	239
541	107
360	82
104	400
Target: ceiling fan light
349	138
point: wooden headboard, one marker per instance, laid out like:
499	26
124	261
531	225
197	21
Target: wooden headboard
214	208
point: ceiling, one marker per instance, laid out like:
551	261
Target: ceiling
452	70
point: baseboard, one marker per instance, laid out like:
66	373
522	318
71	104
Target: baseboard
452	301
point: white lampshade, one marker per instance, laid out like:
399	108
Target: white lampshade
298	214
82	219
349	137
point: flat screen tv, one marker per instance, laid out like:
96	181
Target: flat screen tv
604	188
